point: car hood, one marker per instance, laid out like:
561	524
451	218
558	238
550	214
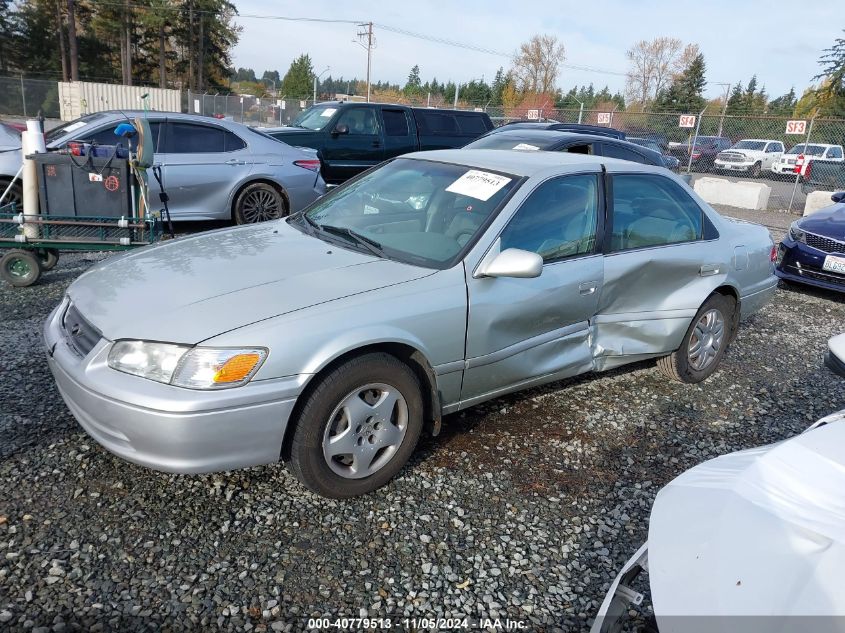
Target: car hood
195	288
758	532
829	222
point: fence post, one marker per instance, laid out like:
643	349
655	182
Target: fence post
23	96
694	139
800	169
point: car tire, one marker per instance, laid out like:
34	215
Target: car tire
345	404
695	360
48	258
756	170
259	202
20	268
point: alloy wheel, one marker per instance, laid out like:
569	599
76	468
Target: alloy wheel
706	340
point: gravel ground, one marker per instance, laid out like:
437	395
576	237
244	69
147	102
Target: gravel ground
524	507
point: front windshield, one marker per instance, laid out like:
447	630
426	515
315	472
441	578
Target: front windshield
71	126
314	118
417	211
756	146
507	141
812	150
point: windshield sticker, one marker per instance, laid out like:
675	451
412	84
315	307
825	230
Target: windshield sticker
328	112
525	146
478	184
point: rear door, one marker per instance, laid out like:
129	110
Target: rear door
358	149
201	162
399	131
660	264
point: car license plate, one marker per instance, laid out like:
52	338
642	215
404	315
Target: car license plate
834	264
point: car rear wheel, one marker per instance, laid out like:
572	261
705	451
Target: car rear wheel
704	344
259	202
358	427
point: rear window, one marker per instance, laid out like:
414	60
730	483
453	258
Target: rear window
471	124
437	123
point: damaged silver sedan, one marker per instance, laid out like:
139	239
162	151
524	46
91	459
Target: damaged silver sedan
432	283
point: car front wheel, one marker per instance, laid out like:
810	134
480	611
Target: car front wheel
358	427
259	202
704	344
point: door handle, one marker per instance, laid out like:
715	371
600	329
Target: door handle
708	269
235	161
587	287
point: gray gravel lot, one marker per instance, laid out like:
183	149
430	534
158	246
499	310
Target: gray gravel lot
524	507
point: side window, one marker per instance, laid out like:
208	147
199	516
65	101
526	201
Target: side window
437	123
834	152
395	122
234	142
557	220
106	136
611	150
579	148
652	211
190	138
359	120
471	125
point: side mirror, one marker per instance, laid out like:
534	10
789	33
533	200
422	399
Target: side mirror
514	262
839	196
340	129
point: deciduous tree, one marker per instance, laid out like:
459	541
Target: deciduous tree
537	64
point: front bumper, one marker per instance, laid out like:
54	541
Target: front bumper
781	169
164	427
801	264
614	608
725	166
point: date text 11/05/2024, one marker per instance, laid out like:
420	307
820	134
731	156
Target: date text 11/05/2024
406	623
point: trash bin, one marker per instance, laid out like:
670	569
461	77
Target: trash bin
83	185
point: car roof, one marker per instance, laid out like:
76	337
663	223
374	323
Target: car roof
521	163
760	140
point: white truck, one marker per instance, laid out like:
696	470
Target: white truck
785	166
750	155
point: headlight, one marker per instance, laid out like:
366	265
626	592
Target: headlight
796	234
191	367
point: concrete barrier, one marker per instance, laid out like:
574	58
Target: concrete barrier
745	195
817	200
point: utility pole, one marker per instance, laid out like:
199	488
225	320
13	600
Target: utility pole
457	87
368	37
724	107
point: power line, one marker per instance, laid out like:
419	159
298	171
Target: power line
386	27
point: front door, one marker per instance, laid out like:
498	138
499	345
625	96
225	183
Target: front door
357	149
200	163
525	331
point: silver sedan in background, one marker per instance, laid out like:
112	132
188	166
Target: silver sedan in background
427	285
212	169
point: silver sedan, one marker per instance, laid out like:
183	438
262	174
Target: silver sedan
437	281
211	169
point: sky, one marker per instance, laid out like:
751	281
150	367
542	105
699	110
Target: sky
778	41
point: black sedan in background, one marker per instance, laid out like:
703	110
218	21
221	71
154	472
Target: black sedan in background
813	251
573	142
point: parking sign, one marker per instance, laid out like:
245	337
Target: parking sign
604	118
686	120
796	127
533	115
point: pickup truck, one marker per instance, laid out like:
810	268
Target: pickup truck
824	175
751	155
351	137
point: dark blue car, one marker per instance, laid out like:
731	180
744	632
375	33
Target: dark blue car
813	251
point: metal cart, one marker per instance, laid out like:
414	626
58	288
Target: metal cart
35	241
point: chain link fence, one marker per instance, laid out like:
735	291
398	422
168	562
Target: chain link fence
25	97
